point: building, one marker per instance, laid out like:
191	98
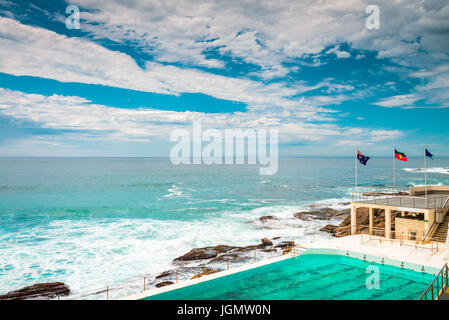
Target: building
420	216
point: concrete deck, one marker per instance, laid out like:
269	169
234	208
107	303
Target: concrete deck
389	250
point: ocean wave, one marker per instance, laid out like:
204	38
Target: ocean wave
174	191
420	184
429	170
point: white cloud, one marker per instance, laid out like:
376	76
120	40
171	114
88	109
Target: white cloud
85	120
267	32
402	100
38	52
339	53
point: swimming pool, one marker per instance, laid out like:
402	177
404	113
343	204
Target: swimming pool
309	276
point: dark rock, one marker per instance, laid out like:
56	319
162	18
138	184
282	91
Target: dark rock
164	274
330	228
285	244
370	194
266	242
39	290
220	253
250	248
204	253
342	213
231	257
362	215
276	238
323	214
204	273
267	218
163	284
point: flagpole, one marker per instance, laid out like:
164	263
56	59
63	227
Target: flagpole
425	172
356	177
394	172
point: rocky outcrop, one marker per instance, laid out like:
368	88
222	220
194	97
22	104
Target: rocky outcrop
204	253
371	194
267	218
204	273
285	244
164	274
266	242
38	291
163	284
362	218
219	251
322	214
330	228
231	258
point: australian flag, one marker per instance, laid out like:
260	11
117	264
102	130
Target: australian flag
362	159
428	154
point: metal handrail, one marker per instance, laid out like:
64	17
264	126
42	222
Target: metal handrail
402	238
443	274
430	229
445	202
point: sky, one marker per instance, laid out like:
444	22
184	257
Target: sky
136	70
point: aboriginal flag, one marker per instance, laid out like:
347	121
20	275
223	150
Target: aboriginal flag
399	155
362	159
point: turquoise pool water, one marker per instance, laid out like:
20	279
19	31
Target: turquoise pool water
310	276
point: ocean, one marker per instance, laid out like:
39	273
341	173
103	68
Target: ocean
93	222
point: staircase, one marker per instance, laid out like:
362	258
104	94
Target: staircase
441	232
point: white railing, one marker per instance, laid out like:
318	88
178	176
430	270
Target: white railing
400	200
403	239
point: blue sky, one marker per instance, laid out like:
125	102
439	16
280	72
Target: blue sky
134	72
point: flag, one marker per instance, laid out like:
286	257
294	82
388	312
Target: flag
362	159
428	154
399	155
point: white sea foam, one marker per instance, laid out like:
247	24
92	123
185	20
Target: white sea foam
429	170
174	191
419	184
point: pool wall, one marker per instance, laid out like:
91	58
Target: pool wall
361	256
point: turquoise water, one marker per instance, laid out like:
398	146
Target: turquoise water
309	277
92	222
